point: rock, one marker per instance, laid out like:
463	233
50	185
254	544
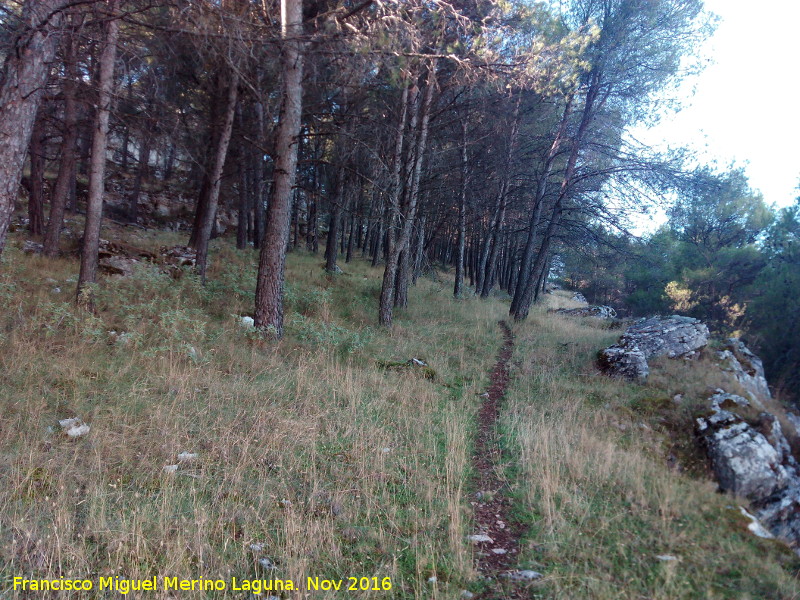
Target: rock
480	539
522	575
187	457
578	297
499	551
74	427
746	368
630	363
756	527
598	312
117	265
266	563
178	256
666	557
247	322
743	460
432	579
467	595
31	247
170	468
672	336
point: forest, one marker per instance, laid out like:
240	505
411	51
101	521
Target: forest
486	137
352	179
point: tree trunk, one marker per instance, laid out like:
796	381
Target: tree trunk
398	244
209	217
531	278
24	76
97	169
272	262
141	172
536	212
458	288
36	195
65	180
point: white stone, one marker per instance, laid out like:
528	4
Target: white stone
187	456
480	538
666	557
755	527
523	575
170	468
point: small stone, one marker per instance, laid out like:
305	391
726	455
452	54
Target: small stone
524	575
499	550
257	547
267	563
432	579
187	456
666	557
248	322
170	468
386	450
480	538
467	595
677	399
56	290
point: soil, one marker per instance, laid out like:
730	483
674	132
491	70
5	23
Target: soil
491	504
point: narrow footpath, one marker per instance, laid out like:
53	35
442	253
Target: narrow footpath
497	535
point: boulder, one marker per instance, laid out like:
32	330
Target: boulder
599	312
672	336
630	363
742	458
746	368
578	297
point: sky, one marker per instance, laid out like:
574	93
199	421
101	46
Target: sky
746	103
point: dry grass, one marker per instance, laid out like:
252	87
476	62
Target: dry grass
336	466
600	498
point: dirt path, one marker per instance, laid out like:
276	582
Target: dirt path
495	559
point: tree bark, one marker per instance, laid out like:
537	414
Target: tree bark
458	288
24	75
36	192
141	172
400	243
272	261
65	180
97	169
221	152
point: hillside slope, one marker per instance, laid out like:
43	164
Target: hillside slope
326	455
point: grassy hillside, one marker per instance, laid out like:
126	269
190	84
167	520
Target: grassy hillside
323	455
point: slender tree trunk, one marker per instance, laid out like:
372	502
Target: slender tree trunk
272	262
221	152
458	289
244	203
65	180
524	305
536	212
398	244
36	195
141	172
419	251
24	75
97	170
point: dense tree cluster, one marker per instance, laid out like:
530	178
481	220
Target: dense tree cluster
474	134
723	256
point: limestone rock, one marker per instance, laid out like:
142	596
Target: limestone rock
599	312
578	297
743	459
672	336
746	367
624	362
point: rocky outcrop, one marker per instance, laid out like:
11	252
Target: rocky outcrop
672	336
578	297
745	367
599	312
745	461
754	460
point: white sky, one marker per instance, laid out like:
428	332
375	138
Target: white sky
746	105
